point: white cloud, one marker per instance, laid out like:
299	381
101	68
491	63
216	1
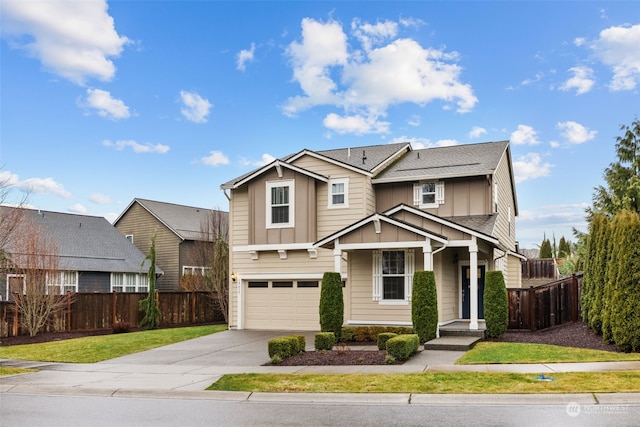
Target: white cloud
195	108
575	133
414	120
100	199
265	160
34	185
617	47
420	143
477	131
365	82
530	166
215	158
136	146
579	41
107	106
73	39
77	208
245	56
582	80
524	135
355	124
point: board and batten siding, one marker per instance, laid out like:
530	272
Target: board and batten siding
138	222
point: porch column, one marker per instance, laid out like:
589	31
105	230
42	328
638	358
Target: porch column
428	256
473	288
337	259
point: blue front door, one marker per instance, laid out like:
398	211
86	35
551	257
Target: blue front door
466	293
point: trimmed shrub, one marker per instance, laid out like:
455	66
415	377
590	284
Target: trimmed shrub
284	347
402	347
301	343
424	305
325	340
331	304
370	333
496	304
383	338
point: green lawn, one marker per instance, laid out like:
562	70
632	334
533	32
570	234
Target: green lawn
13	371
433	382
499	352
103	347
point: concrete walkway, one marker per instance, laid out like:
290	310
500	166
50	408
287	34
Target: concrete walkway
189	367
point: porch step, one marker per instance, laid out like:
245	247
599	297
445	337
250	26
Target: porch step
452	343
459	332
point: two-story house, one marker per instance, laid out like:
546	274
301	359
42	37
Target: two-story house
375	214
182	235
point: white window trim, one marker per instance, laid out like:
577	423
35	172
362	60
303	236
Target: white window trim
193	268
58	282
24	283
330	203
274	184
439	194
409	269
495	197
139	285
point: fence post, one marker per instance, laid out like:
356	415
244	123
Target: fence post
193	306
114	299
16	319
532	314
574	289
68	328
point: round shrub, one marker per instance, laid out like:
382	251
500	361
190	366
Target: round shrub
424	305
331	304
383	338
496	304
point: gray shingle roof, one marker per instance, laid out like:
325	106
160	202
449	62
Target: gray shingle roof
367	158
446	162
89	243
185	221
481	223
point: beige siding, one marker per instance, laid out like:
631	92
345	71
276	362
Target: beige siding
448	287
513	272
139	222
505	229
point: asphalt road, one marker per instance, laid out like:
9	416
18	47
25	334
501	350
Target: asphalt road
71	411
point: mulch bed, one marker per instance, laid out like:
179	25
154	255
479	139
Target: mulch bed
344	358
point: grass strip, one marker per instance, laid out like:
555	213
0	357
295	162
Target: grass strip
103	347
433	383
499	352
13	371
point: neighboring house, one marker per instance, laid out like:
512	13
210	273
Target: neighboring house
375	214
179	231
90	255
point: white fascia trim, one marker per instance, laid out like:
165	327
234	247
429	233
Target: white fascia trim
279	276
377	322
381	245
277	164
289	247
439	220
329	160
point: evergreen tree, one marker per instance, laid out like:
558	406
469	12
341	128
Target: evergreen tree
496	304
624	320
331	304
622	178
424	305
597	276
545	249
149	305
564	248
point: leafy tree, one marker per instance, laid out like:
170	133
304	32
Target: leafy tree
331	304
149	305
545	249
496	304
622	190
623	318
424	305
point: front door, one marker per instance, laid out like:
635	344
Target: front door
466	293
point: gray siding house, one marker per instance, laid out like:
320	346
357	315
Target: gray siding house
92	255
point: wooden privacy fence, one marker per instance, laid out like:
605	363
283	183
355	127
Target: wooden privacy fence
545	306
539	268
101	311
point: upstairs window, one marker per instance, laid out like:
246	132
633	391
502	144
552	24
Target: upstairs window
339	193
280	198
428	194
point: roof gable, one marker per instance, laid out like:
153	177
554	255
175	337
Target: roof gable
278	164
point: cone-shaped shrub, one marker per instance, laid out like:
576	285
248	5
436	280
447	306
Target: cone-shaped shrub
496	304
331	304
424	305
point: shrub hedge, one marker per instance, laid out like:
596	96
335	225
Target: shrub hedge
383	338
286	346
402	347
424	305
325	340
370	333
331	304
496	304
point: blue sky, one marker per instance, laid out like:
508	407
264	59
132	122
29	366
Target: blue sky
104	102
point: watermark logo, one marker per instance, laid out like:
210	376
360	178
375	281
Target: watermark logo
574	409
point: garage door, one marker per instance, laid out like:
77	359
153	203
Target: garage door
282	305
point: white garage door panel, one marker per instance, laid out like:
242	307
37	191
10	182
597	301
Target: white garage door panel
282	308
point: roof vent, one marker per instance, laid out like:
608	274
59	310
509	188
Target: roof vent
364	157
